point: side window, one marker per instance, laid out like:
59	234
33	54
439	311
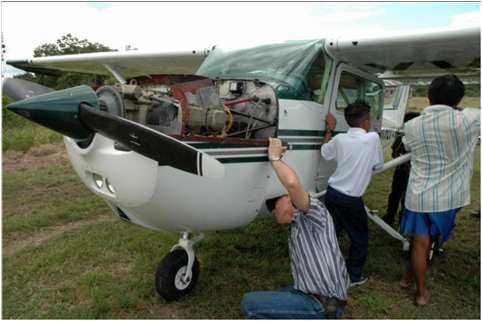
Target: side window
315	79
353	87
392	97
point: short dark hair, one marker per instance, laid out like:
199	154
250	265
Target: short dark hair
356	112
446	90
410	115
271	203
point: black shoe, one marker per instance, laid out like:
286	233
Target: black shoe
362	280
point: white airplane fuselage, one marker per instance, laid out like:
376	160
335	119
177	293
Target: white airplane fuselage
164	198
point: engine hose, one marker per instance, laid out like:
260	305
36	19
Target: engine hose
230	118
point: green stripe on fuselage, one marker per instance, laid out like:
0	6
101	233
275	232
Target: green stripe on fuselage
300	132
306	147
224	145
243	159
257	159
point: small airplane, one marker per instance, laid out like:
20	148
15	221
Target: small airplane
180	142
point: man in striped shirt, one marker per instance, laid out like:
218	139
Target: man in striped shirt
442	141
317	265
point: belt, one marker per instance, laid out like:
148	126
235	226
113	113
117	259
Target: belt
330	304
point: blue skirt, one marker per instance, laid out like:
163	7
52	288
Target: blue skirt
433	224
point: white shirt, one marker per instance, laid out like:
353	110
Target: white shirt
357	153
442	141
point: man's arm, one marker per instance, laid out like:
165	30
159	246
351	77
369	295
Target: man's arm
473	116
378	157
328	150
288	178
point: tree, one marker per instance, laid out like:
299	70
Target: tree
68	45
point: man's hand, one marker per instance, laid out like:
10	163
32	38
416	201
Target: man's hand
330	121
275	149
330	125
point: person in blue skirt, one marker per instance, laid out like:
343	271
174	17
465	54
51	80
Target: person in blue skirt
442	142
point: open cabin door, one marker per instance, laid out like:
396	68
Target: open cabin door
394	112
352	84
349	85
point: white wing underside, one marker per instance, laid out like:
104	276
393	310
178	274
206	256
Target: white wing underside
412	54
431	52
128	64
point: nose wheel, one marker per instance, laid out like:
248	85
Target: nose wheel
178	271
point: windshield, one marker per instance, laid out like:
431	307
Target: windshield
284	65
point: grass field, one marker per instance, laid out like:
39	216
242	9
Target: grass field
419	103
66	256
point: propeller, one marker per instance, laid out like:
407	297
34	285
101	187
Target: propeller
150	143
19	89
75	113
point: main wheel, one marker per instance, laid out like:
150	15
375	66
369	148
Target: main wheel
169	277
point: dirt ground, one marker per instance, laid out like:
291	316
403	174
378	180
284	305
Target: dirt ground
11	247
36	157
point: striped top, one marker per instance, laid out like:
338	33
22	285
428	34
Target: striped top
317	265
442	141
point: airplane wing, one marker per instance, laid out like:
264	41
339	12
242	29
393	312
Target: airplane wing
453	50
128	64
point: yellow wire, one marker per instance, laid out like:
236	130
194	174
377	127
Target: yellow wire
230	115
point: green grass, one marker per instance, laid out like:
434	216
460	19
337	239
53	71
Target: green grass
106	269
33	199
419	103
20	134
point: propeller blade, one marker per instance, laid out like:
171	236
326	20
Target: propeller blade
162	148
19	89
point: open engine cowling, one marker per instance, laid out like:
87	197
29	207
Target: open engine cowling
223	108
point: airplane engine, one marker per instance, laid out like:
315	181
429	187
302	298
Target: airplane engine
224	108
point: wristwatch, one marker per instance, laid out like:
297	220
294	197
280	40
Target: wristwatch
271	159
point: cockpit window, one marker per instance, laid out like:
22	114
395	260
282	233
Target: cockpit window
353	87
295	68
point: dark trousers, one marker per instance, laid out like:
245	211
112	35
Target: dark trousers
349	214
397	195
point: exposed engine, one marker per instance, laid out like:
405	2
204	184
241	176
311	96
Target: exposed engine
225	108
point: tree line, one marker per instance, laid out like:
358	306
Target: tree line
68	45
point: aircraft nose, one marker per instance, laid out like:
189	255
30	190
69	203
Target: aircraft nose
59	110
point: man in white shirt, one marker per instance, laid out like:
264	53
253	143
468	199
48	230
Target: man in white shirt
442	141
357	153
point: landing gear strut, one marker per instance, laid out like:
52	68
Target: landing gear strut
178	271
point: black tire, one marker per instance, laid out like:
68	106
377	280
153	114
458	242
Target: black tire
165	277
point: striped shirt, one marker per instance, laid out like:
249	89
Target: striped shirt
442	141
317	265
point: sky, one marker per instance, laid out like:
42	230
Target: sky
196	26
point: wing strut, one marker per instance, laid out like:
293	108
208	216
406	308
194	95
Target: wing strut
115	73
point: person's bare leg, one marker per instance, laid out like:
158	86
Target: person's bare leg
407	279
421	246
